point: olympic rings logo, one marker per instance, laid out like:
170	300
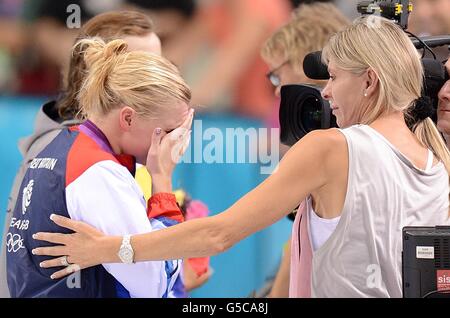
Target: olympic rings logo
14	242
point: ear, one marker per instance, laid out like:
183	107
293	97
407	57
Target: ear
126	118
371	82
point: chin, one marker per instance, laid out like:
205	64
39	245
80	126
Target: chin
443	126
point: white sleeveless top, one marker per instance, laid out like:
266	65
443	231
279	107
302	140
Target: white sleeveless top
385	192
320	228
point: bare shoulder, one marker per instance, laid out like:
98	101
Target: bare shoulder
320	150
317	160
323	141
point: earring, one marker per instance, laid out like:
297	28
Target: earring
365	93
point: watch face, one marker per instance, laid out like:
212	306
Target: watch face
126	256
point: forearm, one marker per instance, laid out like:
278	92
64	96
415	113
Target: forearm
161	184
14	35
196	238
302	170
186	44
229	61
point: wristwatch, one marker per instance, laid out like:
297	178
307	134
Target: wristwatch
126	253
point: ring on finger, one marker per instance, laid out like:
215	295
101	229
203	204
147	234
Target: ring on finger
64	261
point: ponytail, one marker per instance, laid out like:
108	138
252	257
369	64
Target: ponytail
428	134
146	82
95	94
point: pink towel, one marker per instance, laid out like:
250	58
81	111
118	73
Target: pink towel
301	256
195	210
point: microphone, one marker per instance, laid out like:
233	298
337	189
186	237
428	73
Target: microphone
315	69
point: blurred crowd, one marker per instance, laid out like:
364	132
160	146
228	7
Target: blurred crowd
216	43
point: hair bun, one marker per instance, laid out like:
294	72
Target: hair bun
96	51
115	77
423	108
114	48
100	59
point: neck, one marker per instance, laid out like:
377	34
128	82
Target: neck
387	121
109	132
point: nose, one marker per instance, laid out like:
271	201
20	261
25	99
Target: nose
326	92
444	93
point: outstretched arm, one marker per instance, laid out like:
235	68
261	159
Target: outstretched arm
305	168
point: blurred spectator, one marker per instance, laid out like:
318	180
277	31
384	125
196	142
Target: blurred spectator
310	28
431	17
443	123
169	16
296	3
12	41
51	22
348	8
138	33
218	51
35	42
11	35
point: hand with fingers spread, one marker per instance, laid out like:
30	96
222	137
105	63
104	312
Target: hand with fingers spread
80	249
165	152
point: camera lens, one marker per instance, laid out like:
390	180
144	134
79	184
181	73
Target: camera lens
311	114
302	110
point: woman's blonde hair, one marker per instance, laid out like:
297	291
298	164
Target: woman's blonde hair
381	45
146	82
309	30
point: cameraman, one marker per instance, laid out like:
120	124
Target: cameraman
444	108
